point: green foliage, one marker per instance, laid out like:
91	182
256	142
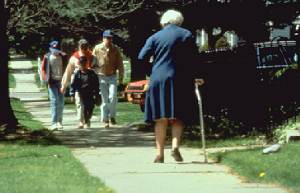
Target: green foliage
280	132
71	9
222	43
28	22
222	126
279	73
32	24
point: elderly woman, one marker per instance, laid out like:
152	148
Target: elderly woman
170	99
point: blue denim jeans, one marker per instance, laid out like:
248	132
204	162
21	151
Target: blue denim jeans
108	89
56	101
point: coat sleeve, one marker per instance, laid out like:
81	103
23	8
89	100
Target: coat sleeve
95	83
147	51
75	85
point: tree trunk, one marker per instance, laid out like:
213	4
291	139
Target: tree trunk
7	117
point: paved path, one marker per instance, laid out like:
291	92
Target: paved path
122	157
26	88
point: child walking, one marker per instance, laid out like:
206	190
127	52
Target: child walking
51	72
86	85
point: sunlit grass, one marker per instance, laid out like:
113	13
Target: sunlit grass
46	169
12	81
280	168
35	167
25	118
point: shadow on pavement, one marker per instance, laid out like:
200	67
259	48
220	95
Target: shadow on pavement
105	137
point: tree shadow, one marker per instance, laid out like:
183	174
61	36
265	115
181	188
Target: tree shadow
105	137
22	135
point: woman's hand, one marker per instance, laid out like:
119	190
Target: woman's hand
199	81
62	90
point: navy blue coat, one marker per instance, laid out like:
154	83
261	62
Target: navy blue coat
171	88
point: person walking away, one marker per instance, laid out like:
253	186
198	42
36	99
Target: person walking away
110	62
52	72
170	99
86	85
72	67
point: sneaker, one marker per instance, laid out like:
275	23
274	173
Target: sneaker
53	127
176	155
59	126
80	125
106	124
113	121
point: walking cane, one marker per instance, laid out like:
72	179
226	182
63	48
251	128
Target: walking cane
197	91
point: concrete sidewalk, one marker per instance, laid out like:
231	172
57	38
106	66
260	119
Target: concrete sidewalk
26	88
123	158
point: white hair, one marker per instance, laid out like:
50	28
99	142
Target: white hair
171	17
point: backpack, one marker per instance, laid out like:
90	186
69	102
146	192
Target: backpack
45	69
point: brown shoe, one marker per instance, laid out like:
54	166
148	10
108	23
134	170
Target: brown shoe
176	155
159	159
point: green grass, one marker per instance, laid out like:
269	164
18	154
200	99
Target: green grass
12	81
25	118
230	142
280	168
34	63
135	115
127	113
46	169
38	168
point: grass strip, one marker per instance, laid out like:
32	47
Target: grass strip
12	81
229	142
37	167
26	119
44	169
277	168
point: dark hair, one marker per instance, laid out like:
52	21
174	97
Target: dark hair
82	60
